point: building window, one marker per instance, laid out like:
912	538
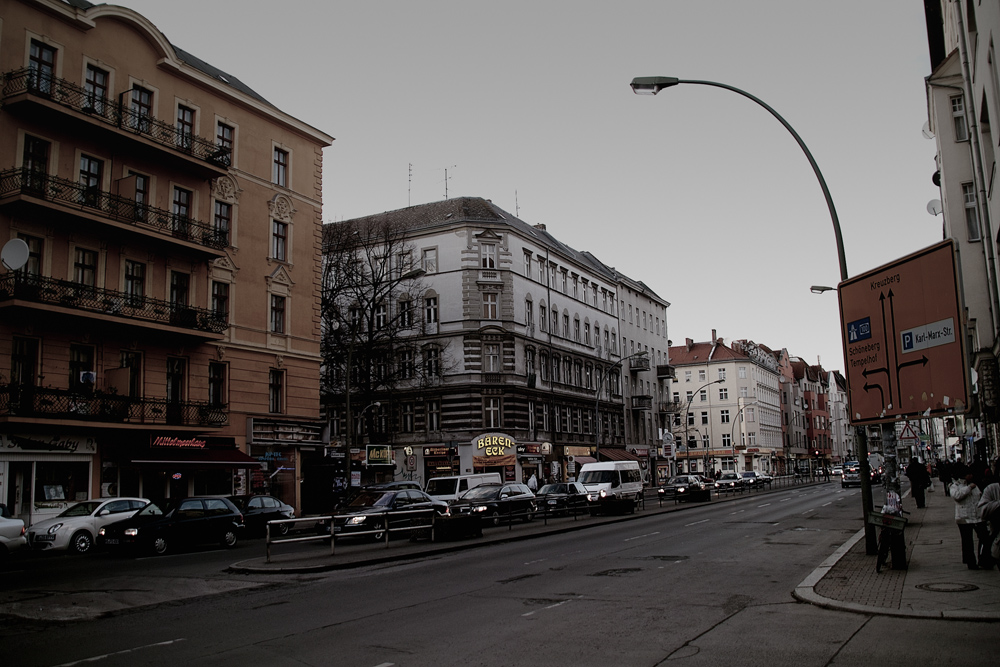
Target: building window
223	220
543	366
182	212
971	212
429	260
576	287
491	358
141	195
432	362
81	368
431	310
529	317
722	373
490	305
224	140
220	300
85	267
176	376
491	412
433	416
276	391
527	265
958	116
277	314
702	376
279	171
586	333
723	394
742	372
488	255
405	361
405	307
565	276
529	361
381	316
141	109
91	173
217	384
24	361
703	395
42	67
185	127
179	285
724	416
542	317
704	417
36	164
279	240
406	418
576	329
135	282
96	87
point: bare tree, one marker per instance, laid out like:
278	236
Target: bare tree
371	292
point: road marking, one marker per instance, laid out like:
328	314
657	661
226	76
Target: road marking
827	504
532	562
532	613
736	512
696	523
639	537
809	510
125	652
764	505
784	500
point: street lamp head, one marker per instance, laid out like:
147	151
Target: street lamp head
651	85
819	289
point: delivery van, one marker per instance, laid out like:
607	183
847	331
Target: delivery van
452	488
612	485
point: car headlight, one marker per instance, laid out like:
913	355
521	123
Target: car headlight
101	532
131	532
552	501
604	493
356	520
479	508
680	489
661	491
54	528
590	498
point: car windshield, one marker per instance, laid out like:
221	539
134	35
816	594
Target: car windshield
730	475
372	499
598	477
749	474
152	509
82	509
441	487
678	480
482	491
552	488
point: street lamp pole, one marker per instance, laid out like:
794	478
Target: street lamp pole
687	412
651	85
732	434
600	386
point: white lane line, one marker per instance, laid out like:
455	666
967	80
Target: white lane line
784	500
125	652
540	560
639	537
764	505
826	504
551	606
386	664
736	512
696	523
809	510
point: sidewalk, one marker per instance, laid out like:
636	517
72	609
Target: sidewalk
936	584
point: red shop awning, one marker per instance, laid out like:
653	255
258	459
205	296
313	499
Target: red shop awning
618	455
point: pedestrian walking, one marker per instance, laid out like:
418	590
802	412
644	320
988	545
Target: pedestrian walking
989	510
944	474
533	483
919	480
967	495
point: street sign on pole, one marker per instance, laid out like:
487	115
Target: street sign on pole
904	339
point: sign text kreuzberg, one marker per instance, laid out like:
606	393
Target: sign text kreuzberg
902	331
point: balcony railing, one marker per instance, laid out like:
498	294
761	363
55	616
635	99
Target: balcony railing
671	406
48	403
114	113
639	363
666	371
120	209
39	289
642	402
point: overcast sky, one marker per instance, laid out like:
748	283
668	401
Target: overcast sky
698	192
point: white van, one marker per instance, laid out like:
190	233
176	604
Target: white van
452	488
612	485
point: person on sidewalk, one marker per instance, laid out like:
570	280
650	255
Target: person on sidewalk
989	510
966	495
944	474
919	480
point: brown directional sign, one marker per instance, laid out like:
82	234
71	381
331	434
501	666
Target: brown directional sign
904	342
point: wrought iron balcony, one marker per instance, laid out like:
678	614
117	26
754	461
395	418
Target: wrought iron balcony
38	289
673	407
47	403
20	181
642	402
666	371
113	113
639	363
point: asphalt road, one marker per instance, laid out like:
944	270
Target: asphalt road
710	585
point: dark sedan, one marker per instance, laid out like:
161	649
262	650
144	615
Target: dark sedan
496	503
177	523
685	487
258	510
368	513
730	481
562	498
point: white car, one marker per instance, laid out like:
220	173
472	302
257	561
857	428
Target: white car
77	526
11	536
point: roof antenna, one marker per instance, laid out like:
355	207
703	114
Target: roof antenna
517	208
446	177
409	183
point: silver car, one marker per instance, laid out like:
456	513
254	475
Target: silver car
11	536
77	526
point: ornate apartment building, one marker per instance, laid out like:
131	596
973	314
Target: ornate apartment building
160	295
513	335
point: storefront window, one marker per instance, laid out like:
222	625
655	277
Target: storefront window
61	483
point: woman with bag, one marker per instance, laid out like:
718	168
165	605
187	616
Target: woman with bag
966	496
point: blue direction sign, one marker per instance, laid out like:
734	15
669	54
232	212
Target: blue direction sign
903	343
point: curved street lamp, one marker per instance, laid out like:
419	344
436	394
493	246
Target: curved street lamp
732	434
687	411
651	85
600	385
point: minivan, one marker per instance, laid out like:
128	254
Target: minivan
452	488
612	485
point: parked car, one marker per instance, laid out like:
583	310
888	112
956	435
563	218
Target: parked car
496	503
368	512
838	471
258	510
562	498
12	536
752	478
179	523
613	485
729	481
76	527
685	487
852	476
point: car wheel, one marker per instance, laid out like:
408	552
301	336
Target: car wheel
283	529
495	518
229	538
378	535
81	542
159	545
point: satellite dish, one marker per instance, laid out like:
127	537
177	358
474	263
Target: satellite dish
934	206
926	130
14	254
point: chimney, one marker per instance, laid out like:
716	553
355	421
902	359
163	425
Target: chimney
689	343
540	226
715	336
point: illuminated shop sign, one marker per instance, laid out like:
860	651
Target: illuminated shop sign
493	444
167	441
379	455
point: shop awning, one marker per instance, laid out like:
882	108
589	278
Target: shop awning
618	455
580	460
215	457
